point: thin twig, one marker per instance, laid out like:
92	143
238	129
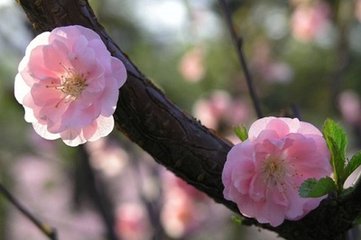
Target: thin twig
238	42
49	231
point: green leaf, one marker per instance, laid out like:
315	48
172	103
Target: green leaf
351	166
312	188
336	141
241	133
237	219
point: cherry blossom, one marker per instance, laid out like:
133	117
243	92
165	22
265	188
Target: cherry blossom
68	84
220	108
263	174
183	209
191	66
350	106
310	20
132	222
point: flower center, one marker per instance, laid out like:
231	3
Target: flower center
274	171
73	85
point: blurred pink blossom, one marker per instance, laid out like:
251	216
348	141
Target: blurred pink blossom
178	213
68	85
132	222
210	110
278	72
173	182
107	157
269	68
350	106
191	66
191	191
238	111
309	20
220	107
181	212
263	174
358	10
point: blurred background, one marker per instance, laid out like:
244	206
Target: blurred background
304	55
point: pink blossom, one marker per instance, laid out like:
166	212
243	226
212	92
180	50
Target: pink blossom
183	207
309	20
110	159
68	85
350	106
191	65
267	67
263	174
211	110
220	108
178	214
357	10
132	222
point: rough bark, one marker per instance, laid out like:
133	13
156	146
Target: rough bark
175	139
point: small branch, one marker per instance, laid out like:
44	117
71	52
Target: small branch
48	231
238	42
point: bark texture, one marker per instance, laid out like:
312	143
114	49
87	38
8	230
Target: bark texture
178	141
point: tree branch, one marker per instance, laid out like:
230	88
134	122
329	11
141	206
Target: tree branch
175	139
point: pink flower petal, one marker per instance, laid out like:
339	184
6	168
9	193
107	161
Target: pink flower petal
279	126
41	39
105	126
43	131
258	126
257	188
84	62
80	45
37	66
42	94
72	137
21	89
119	70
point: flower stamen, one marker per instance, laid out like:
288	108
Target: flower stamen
73	85
274	171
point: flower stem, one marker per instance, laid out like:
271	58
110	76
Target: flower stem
238	42
48	231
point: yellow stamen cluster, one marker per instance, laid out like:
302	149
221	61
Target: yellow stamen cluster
274	171
72	85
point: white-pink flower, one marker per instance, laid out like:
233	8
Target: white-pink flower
68	84
263	174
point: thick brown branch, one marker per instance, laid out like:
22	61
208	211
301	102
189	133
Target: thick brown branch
175	139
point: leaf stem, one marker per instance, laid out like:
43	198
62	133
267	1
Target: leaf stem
238	42
48	231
